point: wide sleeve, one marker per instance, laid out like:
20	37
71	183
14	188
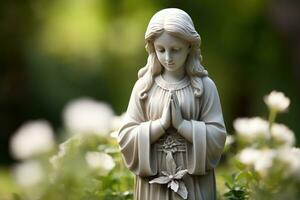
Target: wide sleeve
134	138
208	133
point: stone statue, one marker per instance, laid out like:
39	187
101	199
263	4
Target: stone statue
173	134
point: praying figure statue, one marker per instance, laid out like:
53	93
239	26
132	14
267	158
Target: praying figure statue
173	134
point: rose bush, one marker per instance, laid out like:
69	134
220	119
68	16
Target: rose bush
85	165
267	164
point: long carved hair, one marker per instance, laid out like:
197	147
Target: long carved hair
177	23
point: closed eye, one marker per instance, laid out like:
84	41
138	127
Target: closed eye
160	50
176	49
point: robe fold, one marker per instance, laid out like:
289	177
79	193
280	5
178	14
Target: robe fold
199	156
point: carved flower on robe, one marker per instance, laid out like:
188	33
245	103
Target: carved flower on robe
173	177
170	144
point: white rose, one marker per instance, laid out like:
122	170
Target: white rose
31	139
260	160
277	101
100	161
248	156
86	115
229	140
114	134
28	174
264	162
251	128
283	134
291	158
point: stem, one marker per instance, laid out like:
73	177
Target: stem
272	117
121	169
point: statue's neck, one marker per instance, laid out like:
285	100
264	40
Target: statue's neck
173	76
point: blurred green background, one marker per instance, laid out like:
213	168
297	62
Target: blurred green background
54	51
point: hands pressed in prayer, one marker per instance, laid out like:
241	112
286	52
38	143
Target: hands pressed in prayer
171	115
176	115
165	119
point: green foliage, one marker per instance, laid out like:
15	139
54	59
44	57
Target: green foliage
239	184
238	187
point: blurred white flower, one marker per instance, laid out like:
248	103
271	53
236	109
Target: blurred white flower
251	128
260	160
229	140
248	156
283	134
100	161
264	161
291	158
114	134
86	115
28	174
277	101
31	139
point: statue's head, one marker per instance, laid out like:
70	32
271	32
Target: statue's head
175	22
178	24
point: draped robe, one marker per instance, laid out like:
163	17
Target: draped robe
199	156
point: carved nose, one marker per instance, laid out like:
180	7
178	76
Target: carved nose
168	57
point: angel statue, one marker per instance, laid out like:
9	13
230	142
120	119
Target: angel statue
173	134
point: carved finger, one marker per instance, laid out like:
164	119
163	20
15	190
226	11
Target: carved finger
167	105
169	114
176	100
174	111
176	106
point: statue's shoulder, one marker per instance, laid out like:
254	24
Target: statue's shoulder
208	83
209	88
139	85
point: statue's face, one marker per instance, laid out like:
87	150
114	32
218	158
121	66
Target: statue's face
171	51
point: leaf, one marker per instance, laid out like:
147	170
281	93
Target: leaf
182	191
160	180
228	185
174	185
241	175
180	174
170	163
240	165
165	173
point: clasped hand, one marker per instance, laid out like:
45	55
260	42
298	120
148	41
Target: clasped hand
171	115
